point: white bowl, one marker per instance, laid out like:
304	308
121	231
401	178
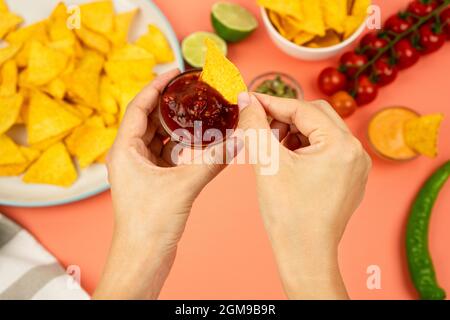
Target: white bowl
305	53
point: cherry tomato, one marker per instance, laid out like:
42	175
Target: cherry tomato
352	62
406	54
366	91
445	20
343	103
331	80
431	40
399	23
384	72
422	8
371	43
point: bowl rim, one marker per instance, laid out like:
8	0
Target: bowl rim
295	46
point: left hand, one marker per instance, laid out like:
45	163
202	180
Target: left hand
152	199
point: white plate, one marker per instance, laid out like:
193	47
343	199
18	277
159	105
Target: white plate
93	180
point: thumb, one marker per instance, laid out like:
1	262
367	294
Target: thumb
252	114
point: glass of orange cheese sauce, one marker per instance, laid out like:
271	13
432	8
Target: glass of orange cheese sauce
386	133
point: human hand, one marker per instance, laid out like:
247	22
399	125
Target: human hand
320	183
152	199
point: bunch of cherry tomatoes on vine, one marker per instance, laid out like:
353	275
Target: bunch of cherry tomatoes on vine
420	30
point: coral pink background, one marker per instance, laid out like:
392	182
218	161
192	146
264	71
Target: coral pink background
225	253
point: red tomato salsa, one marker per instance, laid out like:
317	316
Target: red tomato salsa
187	102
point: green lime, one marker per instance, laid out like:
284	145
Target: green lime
194	48
232	22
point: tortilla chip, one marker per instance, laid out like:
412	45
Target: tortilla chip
44	64
93	143
9	111
47	143
155	42
56	88
334	13
37	31
8	77
8	22
221	74
54	167
122	24
79	133
131	63
93	40
48	118
315	21
109	119
124	92
17	169
422	134
83	83
284	7
98	16
331	38
358	16
3	6
8	52
107	101
10	152
303	37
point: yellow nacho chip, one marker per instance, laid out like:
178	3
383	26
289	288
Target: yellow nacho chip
56	88
3	6
9	111
8	52
53	167
331	38
130	63
16	169
10	152
93	40
8	22
47	143
221	74
124	92
95	142
36	31
422	134
107	100
315	22
8	79
48	118
44	64
359	14
155	41
284	7
334	13
83	83
122	24
303	37
98	16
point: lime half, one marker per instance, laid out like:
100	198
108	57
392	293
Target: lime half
194	48
232	22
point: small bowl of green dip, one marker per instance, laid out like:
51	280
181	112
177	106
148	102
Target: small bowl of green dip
277	84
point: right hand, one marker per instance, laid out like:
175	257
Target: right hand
320	183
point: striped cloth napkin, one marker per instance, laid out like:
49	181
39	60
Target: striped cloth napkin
28	271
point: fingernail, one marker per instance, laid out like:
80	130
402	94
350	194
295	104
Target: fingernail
243	100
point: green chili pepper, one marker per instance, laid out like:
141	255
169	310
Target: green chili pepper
419	260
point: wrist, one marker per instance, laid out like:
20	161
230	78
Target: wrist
135	271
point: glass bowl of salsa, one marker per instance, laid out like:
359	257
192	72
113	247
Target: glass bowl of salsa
195	114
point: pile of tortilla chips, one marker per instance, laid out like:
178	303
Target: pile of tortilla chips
421	134
69	86
316	23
